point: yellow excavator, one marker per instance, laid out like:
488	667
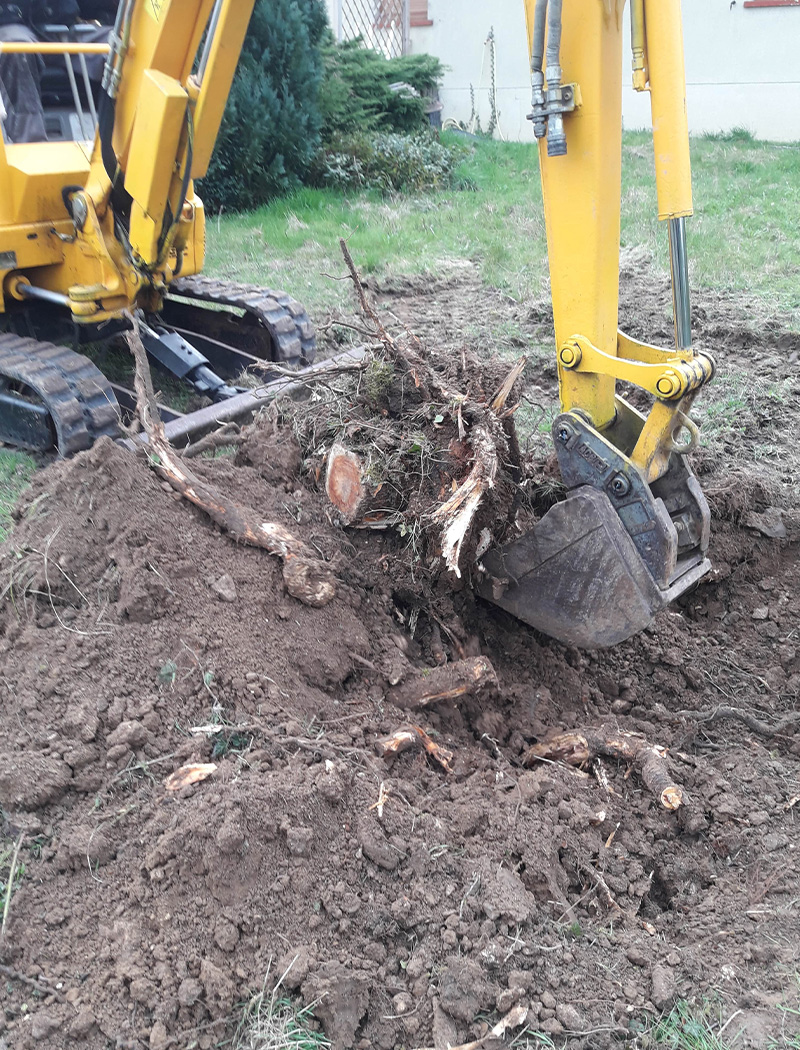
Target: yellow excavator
101	218
105	222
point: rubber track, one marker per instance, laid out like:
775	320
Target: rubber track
284	318
75	392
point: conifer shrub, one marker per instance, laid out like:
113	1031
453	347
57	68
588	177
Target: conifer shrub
270	132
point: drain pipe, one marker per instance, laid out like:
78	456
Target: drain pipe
556	139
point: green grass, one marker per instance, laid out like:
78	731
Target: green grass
16	469
743	235
687	1027
294	242
273	1022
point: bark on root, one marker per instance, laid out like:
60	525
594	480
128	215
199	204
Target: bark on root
306	577
434	685
409	737
576	747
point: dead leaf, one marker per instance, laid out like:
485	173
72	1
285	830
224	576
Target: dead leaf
192	773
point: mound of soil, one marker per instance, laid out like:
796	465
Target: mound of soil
135	639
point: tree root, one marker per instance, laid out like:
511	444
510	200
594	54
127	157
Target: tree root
791	721
306	577
434	685
579	746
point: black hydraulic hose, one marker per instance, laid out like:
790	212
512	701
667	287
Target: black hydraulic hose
554	33
537	47
537	62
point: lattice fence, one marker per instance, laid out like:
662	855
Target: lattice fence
381	24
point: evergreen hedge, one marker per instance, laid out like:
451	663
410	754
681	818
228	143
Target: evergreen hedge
295	91
271	128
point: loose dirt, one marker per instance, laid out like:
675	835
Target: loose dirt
135	638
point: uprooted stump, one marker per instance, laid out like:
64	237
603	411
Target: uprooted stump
425	444
577	747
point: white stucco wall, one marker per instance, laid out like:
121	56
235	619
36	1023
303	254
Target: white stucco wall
742	65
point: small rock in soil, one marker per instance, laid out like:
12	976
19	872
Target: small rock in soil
664	986
769	523
224	588
638	957
464	990
570	1017
190	991
775	840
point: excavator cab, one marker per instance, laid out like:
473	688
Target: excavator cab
633	531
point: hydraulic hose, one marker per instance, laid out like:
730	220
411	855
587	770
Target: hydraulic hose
537	48
556	139
638	45
537	68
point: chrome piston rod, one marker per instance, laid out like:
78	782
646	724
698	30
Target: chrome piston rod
679	267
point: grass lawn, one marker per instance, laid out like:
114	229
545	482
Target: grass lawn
743	236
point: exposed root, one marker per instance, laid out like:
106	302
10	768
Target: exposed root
790	722
462	678
306	577
579	746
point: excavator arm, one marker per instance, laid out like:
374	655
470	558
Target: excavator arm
632	534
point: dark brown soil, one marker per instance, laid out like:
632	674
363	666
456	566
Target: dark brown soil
143	916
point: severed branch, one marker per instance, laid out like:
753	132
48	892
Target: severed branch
576	747
306	577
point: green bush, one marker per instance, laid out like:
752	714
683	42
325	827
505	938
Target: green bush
388	161
271	129
357	95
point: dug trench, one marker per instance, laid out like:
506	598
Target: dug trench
414	905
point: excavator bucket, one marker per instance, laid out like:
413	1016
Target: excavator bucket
578	577
599	565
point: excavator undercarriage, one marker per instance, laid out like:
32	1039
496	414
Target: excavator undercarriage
208	334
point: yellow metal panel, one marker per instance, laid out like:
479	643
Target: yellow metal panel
582	193
215	87
168	44
34	177
668	105
530	7
160	119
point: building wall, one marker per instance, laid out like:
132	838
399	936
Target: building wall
742	65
